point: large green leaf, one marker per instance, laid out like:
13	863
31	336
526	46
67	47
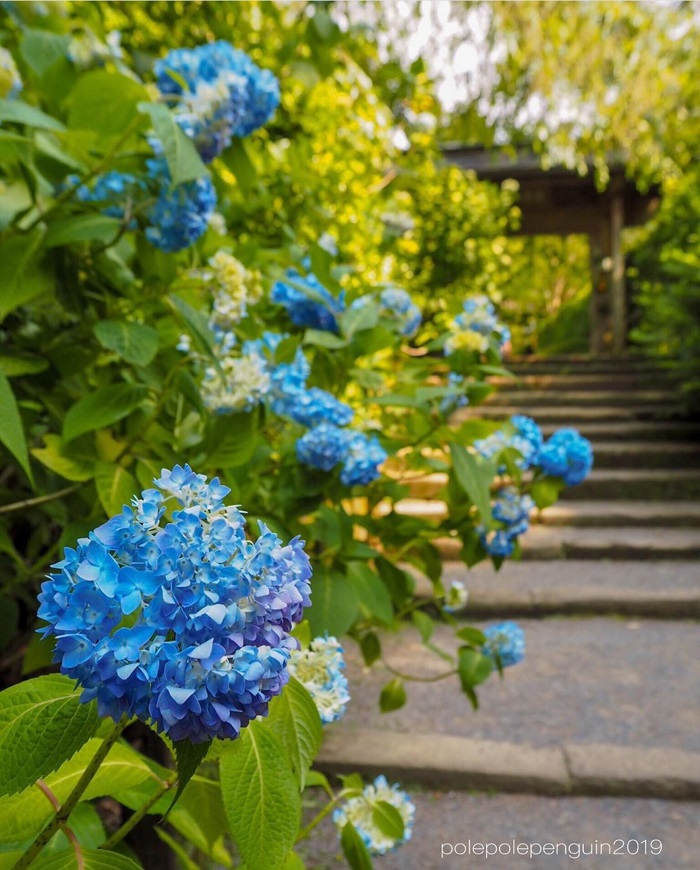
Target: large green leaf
261	799
11	431
42	48
92	859
135	343
388	819
354	849
370	589
42	724
54	456
105	102
184	162
102	408
23	279
295	720
335	605
23	815
115	487
17	112
82	228
235	438
475	477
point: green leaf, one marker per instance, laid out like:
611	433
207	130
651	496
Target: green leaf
472	636
42	724
102	408
188	757
546	492
22	277
54	456
320	338
82	228
371	648
475	477
197	324
185	862
106	102
294	862
15	364
393	696
424	624
17	112
23	815
261	799
358	319
371	591
133	342
42	48
238	160
388	819
473	666
335	606
184	162
115	487
11	431
354	849
235	438
295	720
92	859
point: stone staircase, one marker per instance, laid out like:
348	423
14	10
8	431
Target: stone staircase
606	705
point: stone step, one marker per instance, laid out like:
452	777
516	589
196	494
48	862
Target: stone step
569	415
457	830
561	365
646	454
638	430
608	514
583	398
653	590
620	382
603	484
623	483
586	712
621	542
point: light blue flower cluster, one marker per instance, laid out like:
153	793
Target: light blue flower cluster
505	643
359	811
182	622
326	446
567	454
452	403
10	79
512	510
307	301
477	328
397	307
320	669
217	93
180	215
114	191
526	439
313	406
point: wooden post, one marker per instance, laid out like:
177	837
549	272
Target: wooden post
618	295
598	309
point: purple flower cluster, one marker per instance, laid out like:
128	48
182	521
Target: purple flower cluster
217	93
169	613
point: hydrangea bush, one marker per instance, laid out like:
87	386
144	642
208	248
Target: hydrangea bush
143	339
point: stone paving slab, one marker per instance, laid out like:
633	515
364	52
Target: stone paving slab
626	682
567	415
593	398
647	430
440	761
449	819
659	590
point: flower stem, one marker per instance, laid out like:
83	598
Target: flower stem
62	814
414	679
136	817
30	502
304	833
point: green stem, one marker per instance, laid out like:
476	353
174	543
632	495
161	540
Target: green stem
304	833
30	502
136	817
413	678
73	798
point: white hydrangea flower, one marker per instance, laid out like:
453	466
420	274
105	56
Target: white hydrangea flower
320	669
456	596
244	384
360	812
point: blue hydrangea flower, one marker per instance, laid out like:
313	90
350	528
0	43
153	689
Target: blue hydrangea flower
397	302
179	620
323	447
512	511
451	403
313	406
217	93
361	464
568	455
180	215
477	328
10	79
527	440
308	303
320	669
505	643
359	811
